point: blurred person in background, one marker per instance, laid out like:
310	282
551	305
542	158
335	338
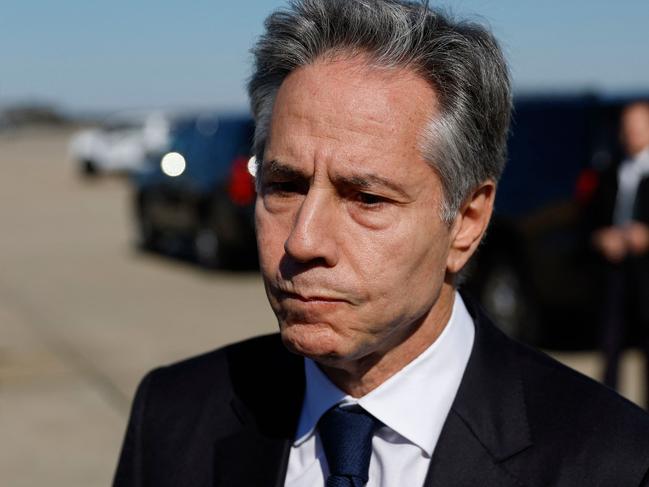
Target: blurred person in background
620	212
381	133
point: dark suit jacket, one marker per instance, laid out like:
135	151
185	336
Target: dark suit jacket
227	418
599	211
634	269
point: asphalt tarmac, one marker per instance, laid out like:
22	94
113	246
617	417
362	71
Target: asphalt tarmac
84	315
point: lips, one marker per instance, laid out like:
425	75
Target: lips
310	298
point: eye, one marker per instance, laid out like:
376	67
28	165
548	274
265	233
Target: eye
369	199
281	187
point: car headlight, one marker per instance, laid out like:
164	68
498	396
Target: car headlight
173	164
252	166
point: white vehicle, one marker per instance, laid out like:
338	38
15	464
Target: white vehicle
121	144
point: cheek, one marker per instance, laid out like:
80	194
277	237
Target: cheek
270	237
406	261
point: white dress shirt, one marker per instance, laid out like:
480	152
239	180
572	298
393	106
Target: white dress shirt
412	405
629	175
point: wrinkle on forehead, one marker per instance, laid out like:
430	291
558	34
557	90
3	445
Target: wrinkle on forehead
371	104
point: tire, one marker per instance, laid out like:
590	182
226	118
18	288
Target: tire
212	252
89	169
148	236
208	249
218	241
503	295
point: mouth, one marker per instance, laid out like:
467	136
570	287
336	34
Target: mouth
309	298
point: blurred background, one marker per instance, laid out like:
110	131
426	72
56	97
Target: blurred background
126	194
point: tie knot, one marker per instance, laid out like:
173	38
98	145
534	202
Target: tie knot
346	436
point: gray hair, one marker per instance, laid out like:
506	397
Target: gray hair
466	143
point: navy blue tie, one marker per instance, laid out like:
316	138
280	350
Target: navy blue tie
346	436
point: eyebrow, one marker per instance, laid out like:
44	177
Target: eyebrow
363	181
368	180
277	168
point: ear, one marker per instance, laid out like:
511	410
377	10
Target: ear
470	225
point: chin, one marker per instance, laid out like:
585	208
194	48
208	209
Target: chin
315	341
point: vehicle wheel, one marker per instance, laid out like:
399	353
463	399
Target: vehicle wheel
148	236
89	169
208	250
502	293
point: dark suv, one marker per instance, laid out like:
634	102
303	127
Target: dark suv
535	272
201	192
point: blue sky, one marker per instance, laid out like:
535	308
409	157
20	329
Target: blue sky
129	54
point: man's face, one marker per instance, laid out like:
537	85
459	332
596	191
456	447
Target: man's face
352	248
635	128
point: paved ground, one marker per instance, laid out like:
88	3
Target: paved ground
83	316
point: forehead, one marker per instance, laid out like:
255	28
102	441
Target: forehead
350	104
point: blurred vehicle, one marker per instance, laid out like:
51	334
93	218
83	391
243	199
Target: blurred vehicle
200	194
535	273
121	143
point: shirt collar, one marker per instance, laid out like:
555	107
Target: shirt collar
643	154
416	400
641	159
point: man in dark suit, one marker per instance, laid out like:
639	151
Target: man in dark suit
381	131
619	218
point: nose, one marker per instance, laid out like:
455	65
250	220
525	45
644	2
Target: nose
312	238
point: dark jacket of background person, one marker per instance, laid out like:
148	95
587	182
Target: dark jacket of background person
600	214
228	418
624	284
602	206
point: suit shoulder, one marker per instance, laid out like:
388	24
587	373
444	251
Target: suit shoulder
213	376
264	345
204	389
563	403
215	366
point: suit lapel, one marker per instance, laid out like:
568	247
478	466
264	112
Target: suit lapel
249	457
487	423
265	408
460	460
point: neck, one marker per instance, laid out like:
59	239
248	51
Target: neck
359	377
637	152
